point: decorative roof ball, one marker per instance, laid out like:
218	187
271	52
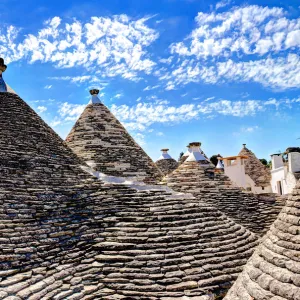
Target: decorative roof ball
94	92
3	67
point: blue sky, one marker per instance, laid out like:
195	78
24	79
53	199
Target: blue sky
173	71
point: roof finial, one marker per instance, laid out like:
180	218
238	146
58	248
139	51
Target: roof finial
165	154
244	145
95	99
196	153
3	67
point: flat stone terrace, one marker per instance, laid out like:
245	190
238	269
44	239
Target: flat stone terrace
256	214
102	141
66	235
273	272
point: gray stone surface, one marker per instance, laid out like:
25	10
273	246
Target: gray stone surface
66	235
257	213
273	272
259	173
103	142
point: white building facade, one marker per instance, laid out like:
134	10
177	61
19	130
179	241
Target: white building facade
285	172
234	168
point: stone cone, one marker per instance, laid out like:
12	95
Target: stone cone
273	272
103	142
66	235
167	166
44	194
259	173
217	189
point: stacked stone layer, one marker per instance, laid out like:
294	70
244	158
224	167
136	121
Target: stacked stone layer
273	272
259	173
167	166
256	214
65	235
102	141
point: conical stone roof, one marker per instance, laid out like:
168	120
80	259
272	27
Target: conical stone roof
166	163
259	173
217	189
273	271
104	144
65	235
43	190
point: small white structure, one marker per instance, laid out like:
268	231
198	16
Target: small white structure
186	154
285	172
94	99
219	167
234	168
165	154
197	154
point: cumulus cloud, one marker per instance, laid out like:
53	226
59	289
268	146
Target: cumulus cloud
277	73
141	116
71	112
41	109
243	30
113	46
244	44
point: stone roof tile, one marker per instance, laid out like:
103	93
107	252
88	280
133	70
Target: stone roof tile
103	143
273	271
66	235
259	173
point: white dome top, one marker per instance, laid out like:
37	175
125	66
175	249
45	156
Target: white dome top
219	165
165	154
95	100
196	154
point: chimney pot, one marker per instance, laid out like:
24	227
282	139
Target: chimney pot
94	92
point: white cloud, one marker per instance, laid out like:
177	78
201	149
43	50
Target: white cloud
209	99
70	111
149	88
244	44
118	96
139	138
41	109
55	122
75	79
47	87
249	129
160	133
243	30
222	3
113	46
142	115
277	73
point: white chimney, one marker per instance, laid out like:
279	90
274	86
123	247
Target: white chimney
277	161
165	154
196	153
95	99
